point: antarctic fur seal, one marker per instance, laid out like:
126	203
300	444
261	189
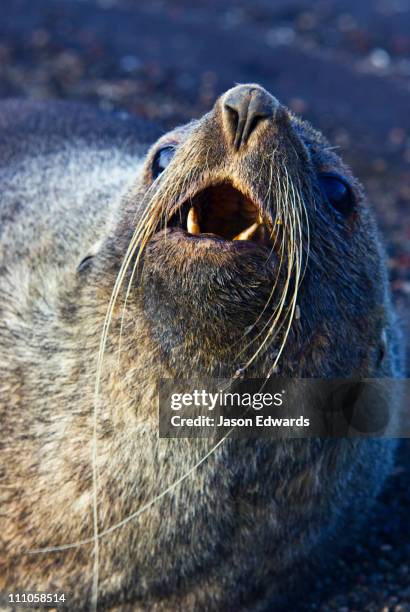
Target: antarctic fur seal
238	242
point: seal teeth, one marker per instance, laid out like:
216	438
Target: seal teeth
249	232
193	222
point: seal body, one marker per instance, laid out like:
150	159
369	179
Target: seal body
239	531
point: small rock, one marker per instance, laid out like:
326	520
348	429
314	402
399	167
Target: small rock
129	63
379	58
280	36
386	548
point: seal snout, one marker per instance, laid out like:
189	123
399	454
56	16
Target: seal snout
244	108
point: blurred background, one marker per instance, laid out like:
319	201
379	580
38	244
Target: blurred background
342	64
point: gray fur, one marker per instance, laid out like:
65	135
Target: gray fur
241	530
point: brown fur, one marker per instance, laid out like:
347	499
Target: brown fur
235	533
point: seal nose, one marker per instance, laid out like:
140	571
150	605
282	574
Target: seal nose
244	107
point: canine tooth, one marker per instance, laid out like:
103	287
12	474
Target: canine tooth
193	222
248	233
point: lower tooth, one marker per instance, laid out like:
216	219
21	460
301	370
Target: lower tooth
248	233
193	222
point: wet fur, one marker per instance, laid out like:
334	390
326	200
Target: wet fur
237	532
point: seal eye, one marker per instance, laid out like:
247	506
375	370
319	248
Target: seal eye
338	192
161	160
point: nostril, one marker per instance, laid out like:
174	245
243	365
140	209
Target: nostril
252	124
232	116
235	113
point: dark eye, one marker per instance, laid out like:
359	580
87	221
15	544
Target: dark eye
338	192
161	160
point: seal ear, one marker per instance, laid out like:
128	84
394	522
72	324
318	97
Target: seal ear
86	262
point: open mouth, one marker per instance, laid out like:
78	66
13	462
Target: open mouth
224	212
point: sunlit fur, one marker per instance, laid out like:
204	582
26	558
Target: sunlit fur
94	503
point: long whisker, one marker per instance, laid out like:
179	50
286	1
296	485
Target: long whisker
163	196
295	205
273	237
276	315
137	513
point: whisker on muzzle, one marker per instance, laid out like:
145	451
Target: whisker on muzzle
163	196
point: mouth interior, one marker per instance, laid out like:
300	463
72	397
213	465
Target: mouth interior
222	211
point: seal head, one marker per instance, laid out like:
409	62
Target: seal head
256	243
237	243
